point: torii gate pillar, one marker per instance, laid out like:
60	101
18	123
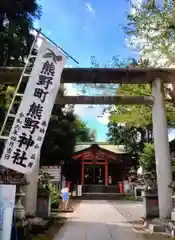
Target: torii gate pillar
162	151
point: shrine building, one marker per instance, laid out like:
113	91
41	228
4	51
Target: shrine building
99	164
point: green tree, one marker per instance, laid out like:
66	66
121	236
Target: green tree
131	137
150	30
140	115
83	133
147	158
6	94
123	135
60	138
136	119
16	22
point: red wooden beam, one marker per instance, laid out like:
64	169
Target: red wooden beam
96	157
109	155
91	163
82	170
106	172
100	153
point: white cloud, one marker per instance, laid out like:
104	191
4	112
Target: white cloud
89	8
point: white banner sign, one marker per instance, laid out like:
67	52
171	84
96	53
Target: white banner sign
28	130
7	203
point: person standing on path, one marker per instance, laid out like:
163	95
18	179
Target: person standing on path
65	198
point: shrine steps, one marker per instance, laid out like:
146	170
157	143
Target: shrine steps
100	189
100	196
97	191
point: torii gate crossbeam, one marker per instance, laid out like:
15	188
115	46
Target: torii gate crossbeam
106	100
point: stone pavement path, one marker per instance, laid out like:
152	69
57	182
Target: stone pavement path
130	210
97	219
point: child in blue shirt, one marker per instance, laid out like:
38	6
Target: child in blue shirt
65	198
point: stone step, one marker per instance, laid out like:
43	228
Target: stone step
99	189
97	196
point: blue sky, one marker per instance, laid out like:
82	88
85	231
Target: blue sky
86	28
83	29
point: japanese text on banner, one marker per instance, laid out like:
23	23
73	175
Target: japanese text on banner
30	125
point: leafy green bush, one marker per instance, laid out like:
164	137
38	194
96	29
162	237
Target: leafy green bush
147	158
46	184
55	200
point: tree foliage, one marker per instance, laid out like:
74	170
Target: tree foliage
140	115
150	30
6	93
133	138
147	158
123	135
83	133
16	22
60	137
137	117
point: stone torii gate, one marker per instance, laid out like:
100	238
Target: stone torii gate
156	77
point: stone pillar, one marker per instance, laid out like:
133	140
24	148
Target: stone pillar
20	213
31	190
22	227
162	151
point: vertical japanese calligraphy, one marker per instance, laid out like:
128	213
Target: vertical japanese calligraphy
30	125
